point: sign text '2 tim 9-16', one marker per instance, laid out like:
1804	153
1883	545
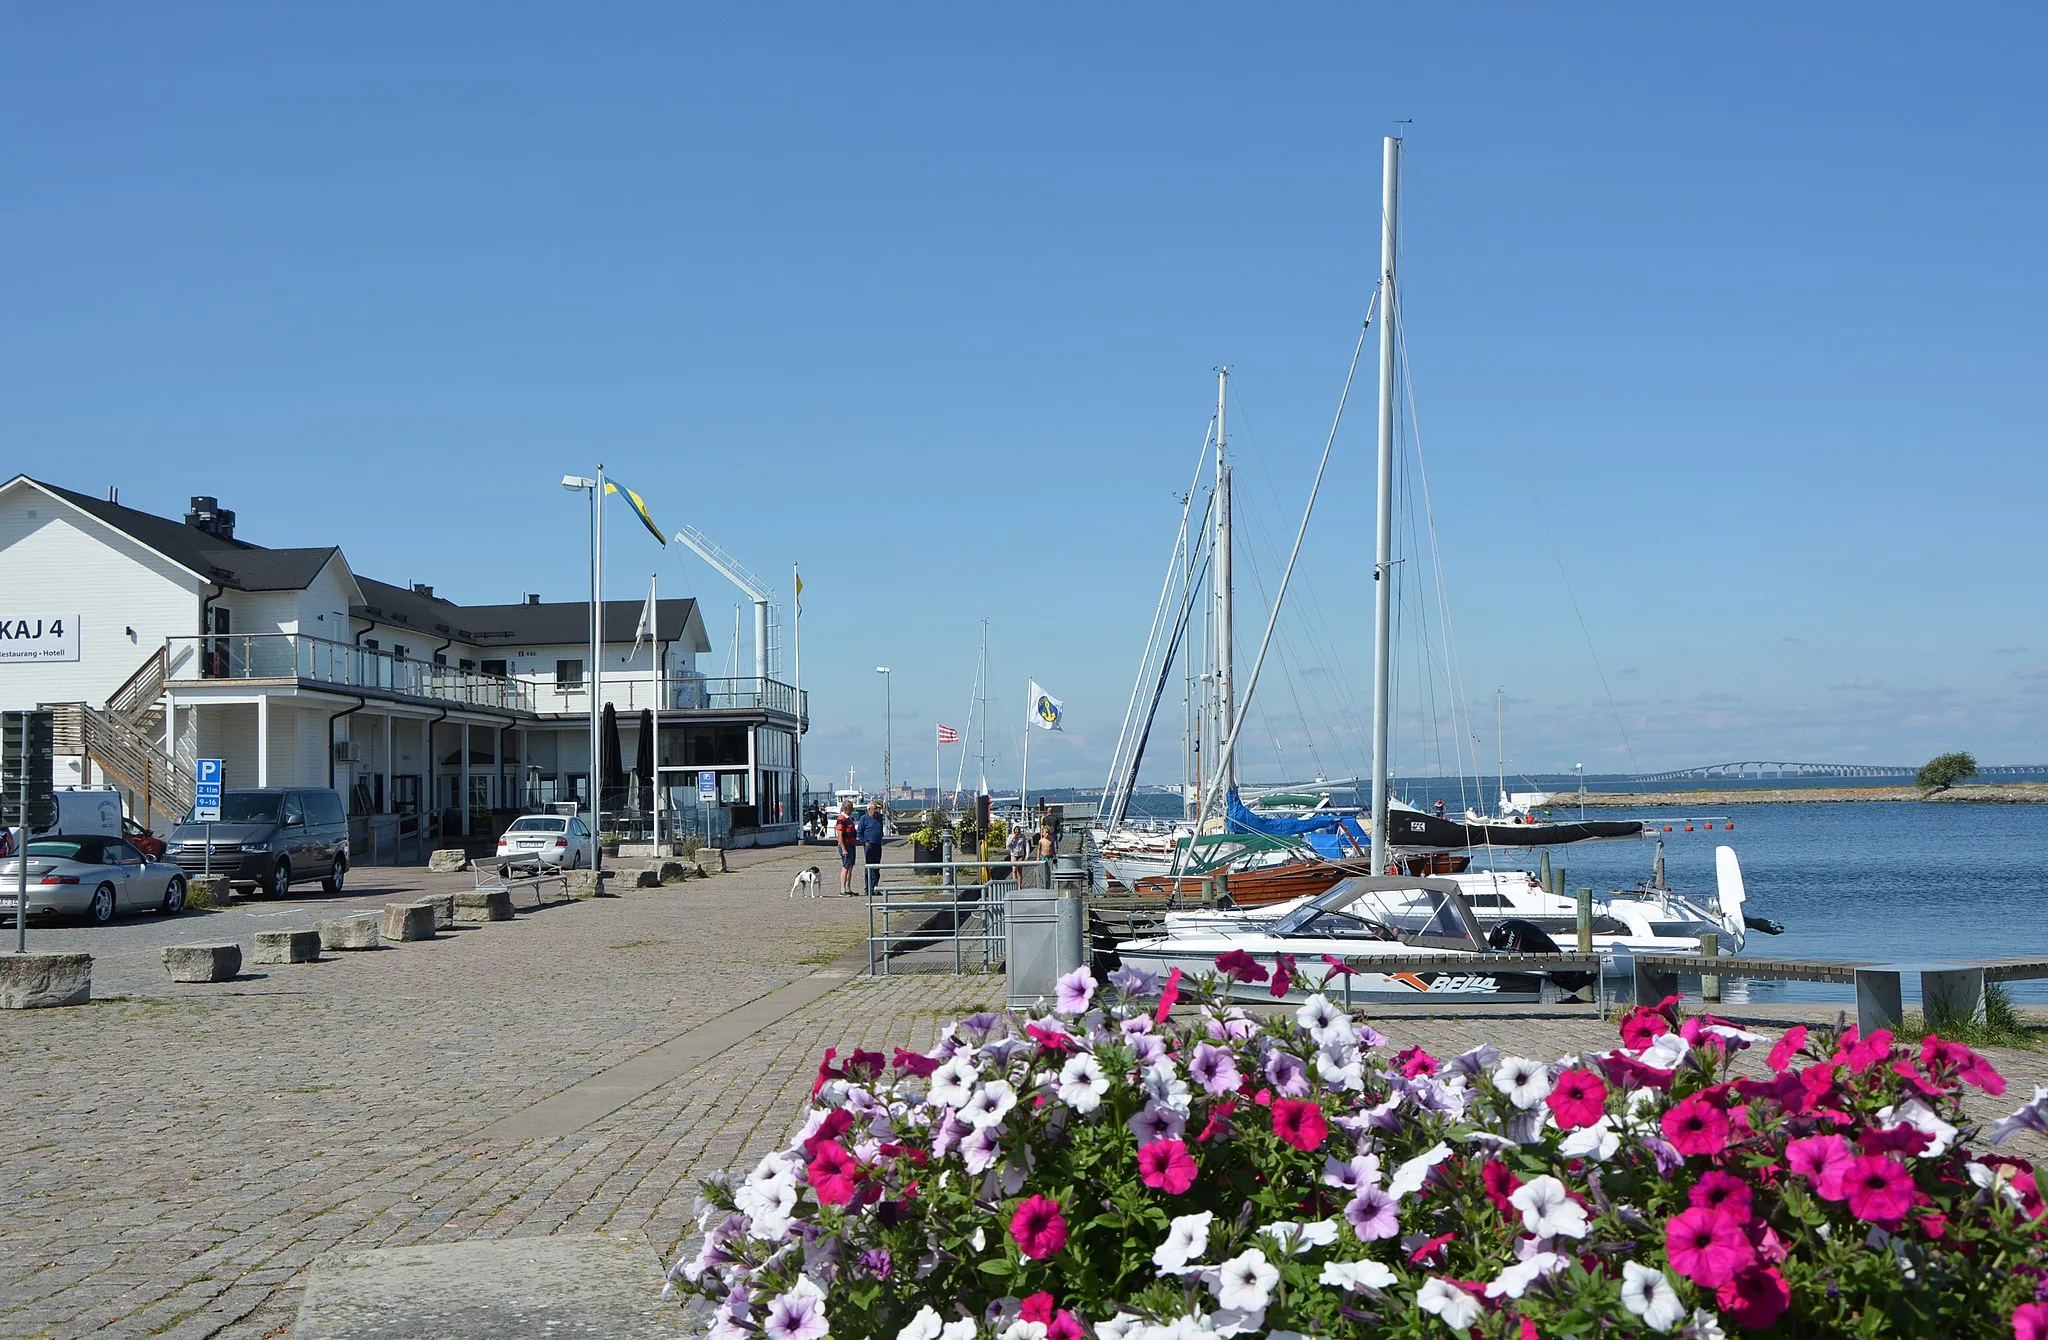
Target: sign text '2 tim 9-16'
38	637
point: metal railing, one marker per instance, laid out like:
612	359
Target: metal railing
297	656
747	694
907	916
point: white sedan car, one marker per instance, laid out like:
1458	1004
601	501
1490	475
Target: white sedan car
550	841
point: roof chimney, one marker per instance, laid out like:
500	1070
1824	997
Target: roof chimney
113	493
209	516
532	598
422	589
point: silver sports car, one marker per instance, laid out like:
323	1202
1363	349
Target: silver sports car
92	877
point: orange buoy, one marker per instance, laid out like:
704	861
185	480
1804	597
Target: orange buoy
1667	828
1688	828
1730	825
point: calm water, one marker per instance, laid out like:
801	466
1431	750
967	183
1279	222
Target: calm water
1859	881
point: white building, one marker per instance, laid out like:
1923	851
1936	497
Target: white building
162	642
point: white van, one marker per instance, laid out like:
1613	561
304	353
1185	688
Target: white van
82	811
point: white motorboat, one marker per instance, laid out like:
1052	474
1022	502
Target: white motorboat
1367	917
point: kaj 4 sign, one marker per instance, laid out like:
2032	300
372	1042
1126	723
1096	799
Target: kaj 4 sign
38	637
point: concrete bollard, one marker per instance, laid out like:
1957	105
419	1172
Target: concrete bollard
43	981
640	879
711	860
447	861
1710	983
444	908
202	963
484	905
584	883
408	921
286	947
675	872
208	891
353	932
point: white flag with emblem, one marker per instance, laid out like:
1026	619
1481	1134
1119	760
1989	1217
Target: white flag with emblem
1046	711
646	628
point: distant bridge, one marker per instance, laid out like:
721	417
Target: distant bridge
1764	769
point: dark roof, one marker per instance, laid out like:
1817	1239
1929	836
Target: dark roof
569	622
232	563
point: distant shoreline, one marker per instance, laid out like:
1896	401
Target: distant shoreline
2017	793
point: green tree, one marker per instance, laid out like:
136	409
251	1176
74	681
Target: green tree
1945	771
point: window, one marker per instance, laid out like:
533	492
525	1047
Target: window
369	644
493	668
440	658
398	650
569	674
467	666
294	809
706	745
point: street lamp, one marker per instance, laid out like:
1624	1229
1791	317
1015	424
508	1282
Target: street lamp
1582	788
887	690
595	488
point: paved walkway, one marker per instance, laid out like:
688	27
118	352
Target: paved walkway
188	1151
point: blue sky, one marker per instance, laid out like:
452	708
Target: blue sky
1724	325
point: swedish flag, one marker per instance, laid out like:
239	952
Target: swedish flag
639	508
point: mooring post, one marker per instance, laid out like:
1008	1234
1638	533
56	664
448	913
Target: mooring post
1543	871
1557	884
1710	983
1585	921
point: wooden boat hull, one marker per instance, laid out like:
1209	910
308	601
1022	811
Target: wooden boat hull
1258	888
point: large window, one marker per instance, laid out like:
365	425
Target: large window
569	674
777	747
705	745
495	668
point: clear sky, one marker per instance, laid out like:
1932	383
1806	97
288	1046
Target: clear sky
1725	323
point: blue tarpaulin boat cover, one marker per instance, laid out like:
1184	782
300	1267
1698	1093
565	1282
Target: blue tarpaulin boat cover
1325	832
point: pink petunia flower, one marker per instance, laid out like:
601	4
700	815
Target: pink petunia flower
1300	1123
1036	1307
834	1175
1578	1099
1167	996
1166	1165
1239	966
2030	1322
1860	1053
1938	1057
1696	1127
1787	1049
1415	1061
1823	1160
1717	1190
1219	1120
1642	1026
1756	1298
1283	974
1038	1228
1879	1188
1708	1247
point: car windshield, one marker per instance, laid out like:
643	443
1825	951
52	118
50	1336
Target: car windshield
537	825
63	849
247	807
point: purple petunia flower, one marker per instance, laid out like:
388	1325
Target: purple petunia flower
1286	1073
1214	1069
1135	981
1073	992
1373	1215
1668	1158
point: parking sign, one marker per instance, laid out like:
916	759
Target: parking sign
707	787
206	792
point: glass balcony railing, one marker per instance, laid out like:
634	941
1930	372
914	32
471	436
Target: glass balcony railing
313	659
744	695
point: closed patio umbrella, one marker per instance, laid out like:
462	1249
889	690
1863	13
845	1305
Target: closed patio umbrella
611	794
643	761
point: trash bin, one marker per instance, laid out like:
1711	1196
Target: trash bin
1031	945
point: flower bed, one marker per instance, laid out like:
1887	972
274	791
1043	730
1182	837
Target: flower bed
1115	1170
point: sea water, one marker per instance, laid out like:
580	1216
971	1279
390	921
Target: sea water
1910	881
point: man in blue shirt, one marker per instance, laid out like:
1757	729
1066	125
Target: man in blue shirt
871	832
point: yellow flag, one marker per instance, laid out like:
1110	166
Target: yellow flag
639	509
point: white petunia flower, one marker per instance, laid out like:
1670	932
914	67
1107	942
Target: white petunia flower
1187	1239
1525	1082
1123	1326
1409	1177
1082	1083
2029	1116
1356	1275
1317	1013
1986	1178
1297	1239
1548	1211
1516	1279
1920	1117
1666	1052
1245	1282
963	1329
979	1241
1166	1089
1361	1171
1457	1308
1021	1329
953	1082
989	1105
1597	1142
1649	1295
1706	1325
1228	1321
924	1326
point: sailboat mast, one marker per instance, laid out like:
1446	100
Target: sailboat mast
1500	746
1383	560
1225	717
981	683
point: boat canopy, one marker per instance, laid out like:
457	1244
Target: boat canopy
1329	833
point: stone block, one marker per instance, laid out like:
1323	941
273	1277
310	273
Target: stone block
444	909
286	947
642	878
447	861
352	932
585	883
408	921
711	860
484	905
39	981
675	872
202	963
208	891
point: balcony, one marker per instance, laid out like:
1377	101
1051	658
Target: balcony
320	663
633	690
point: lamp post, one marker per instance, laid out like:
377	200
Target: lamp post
1581	768
887	690
595	488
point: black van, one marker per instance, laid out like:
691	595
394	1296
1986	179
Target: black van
271	838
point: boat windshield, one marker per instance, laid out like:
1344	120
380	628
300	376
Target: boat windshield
1356	908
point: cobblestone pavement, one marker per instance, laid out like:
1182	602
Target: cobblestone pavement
189	1150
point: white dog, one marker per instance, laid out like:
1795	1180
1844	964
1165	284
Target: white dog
807	880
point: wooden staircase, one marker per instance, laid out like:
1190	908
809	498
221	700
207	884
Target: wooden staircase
124	740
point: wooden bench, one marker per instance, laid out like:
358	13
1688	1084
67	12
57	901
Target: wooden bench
1955	988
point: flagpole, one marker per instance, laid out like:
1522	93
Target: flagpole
654	754
796	641
596	664
1024	781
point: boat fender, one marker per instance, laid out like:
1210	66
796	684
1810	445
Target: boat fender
1764	924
